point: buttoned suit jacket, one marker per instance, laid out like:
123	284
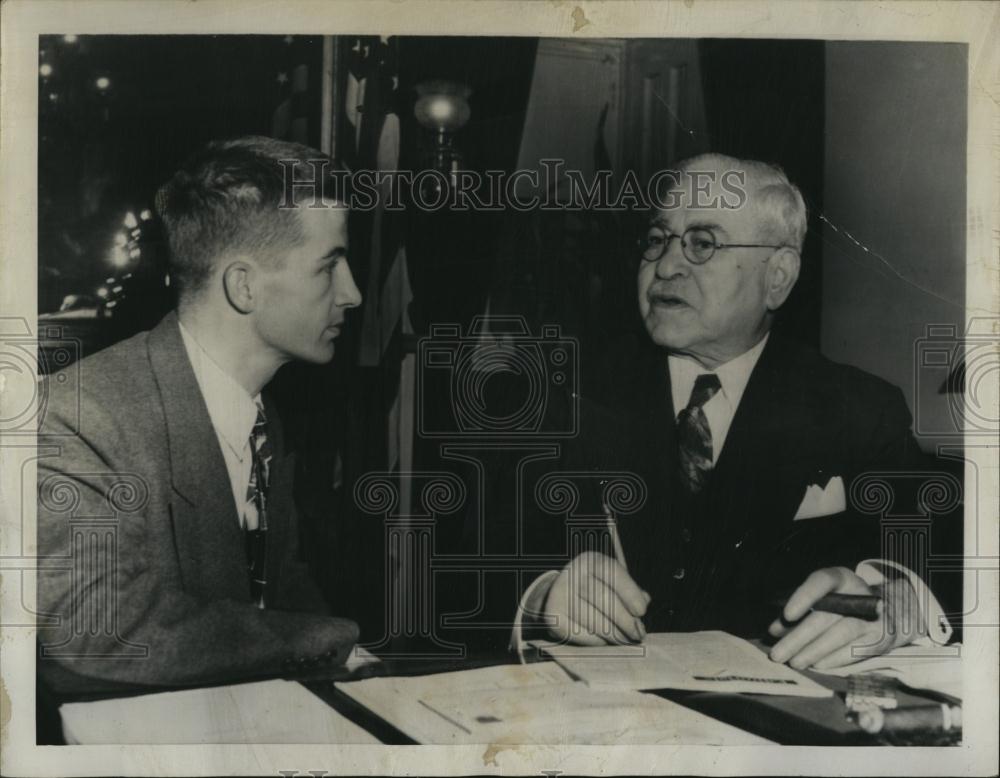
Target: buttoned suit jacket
144	572
721	560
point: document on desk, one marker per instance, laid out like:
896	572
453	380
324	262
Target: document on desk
538	704
398	699
266	712
696	661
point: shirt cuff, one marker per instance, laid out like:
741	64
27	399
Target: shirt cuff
875	571
531	608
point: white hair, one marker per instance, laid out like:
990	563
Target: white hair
777	200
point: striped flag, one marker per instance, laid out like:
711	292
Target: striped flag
370	140
296	98
367	138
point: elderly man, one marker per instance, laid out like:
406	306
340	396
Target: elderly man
180	471
747	443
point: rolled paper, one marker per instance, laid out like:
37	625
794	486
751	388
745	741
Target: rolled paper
931	717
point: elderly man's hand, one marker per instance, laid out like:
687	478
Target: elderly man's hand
594	601
817	640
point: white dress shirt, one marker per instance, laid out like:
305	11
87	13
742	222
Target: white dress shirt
233	412
733	378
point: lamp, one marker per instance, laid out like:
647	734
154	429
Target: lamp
443	108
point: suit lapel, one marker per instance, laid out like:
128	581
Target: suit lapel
662	427
206	525
761	458
651	449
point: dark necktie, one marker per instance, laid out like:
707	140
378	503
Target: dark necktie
256	508
694	437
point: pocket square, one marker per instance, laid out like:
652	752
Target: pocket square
823	501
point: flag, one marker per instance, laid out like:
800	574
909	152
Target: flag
296	99
370	141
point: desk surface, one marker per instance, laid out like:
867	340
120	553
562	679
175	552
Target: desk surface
784	720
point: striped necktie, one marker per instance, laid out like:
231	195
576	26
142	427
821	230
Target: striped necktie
255	510
694	437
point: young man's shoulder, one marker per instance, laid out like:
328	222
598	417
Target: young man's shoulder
113	383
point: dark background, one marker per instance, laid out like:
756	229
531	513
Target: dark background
104	152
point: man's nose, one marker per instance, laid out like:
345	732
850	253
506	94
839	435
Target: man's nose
348	295
672	262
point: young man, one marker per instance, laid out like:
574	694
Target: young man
167	524
748	444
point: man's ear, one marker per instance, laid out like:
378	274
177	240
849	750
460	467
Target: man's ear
236	281
782	273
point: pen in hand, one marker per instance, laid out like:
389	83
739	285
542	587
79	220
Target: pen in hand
616	541
619	554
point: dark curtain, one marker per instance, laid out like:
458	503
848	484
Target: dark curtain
452	254
764	100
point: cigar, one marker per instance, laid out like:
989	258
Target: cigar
860	606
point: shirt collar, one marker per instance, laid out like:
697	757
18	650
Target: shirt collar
733	375
230	407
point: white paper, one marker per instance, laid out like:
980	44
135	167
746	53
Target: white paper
397	700
265	712
535	703
699	661
359	657
575	714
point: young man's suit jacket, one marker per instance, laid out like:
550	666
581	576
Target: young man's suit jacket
719	561
144	577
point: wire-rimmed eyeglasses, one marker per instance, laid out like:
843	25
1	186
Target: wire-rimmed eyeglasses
699	244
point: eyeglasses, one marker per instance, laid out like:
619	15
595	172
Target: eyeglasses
698	244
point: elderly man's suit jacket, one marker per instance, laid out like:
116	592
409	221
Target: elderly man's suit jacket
718	561
144	577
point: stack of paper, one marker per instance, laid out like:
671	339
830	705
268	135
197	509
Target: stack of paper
535	703
698	661
266	712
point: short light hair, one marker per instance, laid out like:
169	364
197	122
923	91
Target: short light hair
225	199
777	201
